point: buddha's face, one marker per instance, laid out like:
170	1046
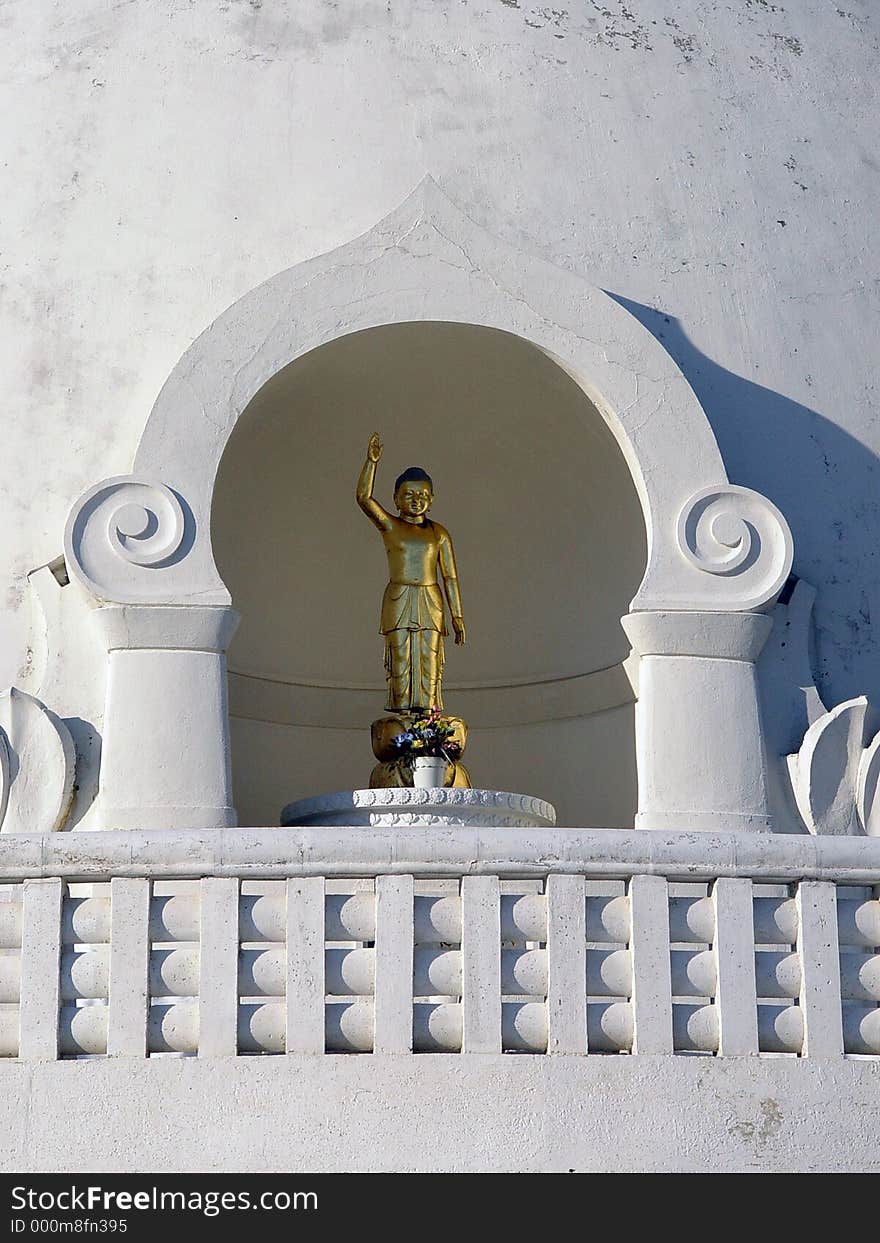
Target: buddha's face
414	498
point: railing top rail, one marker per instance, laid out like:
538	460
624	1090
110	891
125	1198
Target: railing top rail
440	851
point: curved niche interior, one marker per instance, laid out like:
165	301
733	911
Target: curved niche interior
550	543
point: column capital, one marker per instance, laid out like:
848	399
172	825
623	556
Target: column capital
138	627
710	635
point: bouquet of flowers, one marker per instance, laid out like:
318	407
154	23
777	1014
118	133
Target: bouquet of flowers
430	735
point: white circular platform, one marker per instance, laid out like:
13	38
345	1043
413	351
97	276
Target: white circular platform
388	807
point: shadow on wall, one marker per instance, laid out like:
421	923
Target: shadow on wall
825	482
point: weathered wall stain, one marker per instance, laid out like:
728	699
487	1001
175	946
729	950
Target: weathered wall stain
759	1133
614	24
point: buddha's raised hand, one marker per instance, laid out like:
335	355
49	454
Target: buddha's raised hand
374	448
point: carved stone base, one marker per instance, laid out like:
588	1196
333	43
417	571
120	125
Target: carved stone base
389	807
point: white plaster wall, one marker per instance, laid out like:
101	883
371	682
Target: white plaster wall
441	1112
714	164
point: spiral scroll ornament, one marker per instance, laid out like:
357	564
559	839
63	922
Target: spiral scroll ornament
741	537
120	533
148	531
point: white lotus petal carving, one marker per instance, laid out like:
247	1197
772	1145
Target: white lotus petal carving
867	802
40	763
827	771
4	777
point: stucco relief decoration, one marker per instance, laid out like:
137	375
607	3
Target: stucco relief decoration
738	535
867	789
5	776
450	806
120	533
37	766
835	775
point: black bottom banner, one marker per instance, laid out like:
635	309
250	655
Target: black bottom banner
282	1206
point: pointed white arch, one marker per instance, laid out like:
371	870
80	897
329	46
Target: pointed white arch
141	544
710	545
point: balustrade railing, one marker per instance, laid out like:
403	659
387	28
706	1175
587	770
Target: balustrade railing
571	961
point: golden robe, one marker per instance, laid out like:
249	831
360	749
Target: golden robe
420	557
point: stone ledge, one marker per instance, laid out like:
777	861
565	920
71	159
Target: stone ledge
444	851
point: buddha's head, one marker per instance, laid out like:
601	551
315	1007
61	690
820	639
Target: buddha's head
413	492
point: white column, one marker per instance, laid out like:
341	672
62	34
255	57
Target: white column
306	990
165	756
819	952
129	967
218	973
481	964
699	738
566	964
40	969
393	1003
651	965
735	996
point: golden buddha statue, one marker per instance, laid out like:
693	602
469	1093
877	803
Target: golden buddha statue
412	618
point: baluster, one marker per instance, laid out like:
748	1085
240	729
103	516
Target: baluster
129	967
305	965
819	950
652	979
734	943
567	964
40	969
481	964
218	974
394	965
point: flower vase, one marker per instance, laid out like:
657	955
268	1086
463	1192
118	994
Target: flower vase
429	772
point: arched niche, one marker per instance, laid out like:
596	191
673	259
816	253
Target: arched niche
551	547
717	554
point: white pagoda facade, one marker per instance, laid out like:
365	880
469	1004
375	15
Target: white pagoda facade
603	273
